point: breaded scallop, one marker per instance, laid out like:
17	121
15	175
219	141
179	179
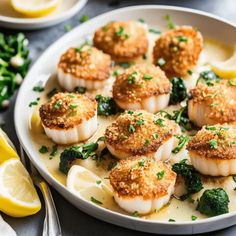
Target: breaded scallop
85	66
212	104
69	118
141	133
142	185
124	41
213	150
177	51
142	86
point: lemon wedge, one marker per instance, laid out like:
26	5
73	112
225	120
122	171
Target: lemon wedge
35	8
86	184
18	197
225	69
7	150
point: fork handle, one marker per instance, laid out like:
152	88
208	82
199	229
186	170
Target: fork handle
51	226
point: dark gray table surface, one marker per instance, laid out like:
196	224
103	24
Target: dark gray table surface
73	221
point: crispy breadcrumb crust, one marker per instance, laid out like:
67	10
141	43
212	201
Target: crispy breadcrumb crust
146	137
131	179
180	48
131	43
66	110
126	91
220	98
86	63
223	135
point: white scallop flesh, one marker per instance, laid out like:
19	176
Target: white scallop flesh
70	82
213	166
141	205
79	133
199	114
151	104
163	153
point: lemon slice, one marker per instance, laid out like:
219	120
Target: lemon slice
86	184
7	150
18	197
225	69
35	8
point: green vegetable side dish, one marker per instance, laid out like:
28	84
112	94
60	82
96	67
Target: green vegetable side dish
14	64
179	90
214	202
192	180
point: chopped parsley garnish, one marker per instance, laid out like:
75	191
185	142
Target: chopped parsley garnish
160	122
141	163
170	23
214	104
83	19
213	143
135	214
38	88
121	33
53	152
147	77
130	112
212	128
209	77
160	175
43	149
73	106
193	217
189	72
116	73
131	78
94	200
182	141
146	142
234	178
154	31
131	128
68	27
171	220
155	135
182	38
232	143
98	182
58	105
34	103
140	122
52	92
80	90
161	61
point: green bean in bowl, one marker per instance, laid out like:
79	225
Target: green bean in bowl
14	64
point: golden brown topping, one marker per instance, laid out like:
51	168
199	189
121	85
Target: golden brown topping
142	176
124	41
216	141
178	50
66	110
140	81
86	62
220	98
139	132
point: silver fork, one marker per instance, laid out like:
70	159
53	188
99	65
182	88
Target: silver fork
51	226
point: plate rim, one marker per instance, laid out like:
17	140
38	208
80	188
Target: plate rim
45	20
61	188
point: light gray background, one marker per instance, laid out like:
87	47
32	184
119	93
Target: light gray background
73	221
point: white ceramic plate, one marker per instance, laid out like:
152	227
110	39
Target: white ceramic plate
209	25
9	18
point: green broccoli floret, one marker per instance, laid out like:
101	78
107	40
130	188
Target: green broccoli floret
191	179
106	105
76	152
179	91
214	202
